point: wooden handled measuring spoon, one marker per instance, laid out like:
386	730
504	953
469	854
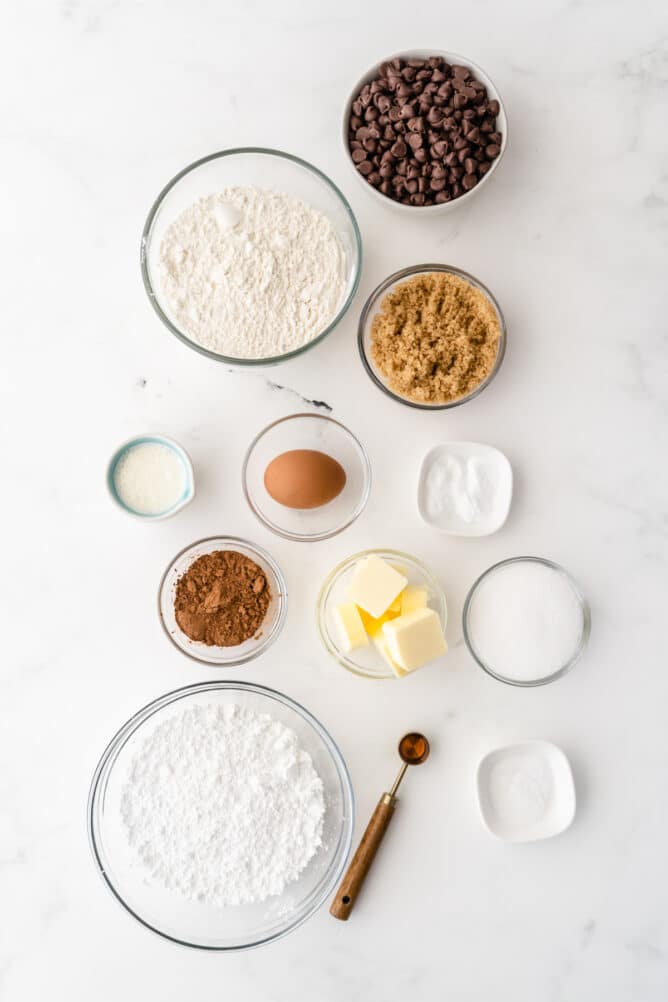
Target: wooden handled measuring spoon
413	750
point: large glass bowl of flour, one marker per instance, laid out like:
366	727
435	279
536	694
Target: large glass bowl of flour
251	256
181	917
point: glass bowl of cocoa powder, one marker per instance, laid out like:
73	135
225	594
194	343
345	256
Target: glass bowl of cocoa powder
223	601
431	336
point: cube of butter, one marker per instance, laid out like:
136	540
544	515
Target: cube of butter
414	639
350	626
381	646
413	597
375	585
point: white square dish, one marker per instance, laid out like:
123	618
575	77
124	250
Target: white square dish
465	488
526	791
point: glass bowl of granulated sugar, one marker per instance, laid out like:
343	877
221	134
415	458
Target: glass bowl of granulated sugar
221	815
251	256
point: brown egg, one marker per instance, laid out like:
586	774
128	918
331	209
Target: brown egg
304	478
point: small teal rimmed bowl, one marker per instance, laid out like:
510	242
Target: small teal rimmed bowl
188	491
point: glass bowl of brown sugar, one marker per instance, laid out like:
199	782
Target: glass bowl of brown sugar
223	601
432	336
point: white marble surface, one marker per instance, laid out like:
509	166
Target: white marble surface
101	103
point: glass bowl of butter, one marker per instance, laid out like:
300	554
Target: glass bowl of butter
382	614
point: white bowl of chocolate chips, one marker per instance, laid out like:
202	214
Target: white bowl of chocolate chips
424	130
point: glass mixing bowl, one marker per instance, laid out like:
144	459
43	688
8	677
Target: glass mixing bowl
469	632
307	431
367	661
261	168
273	622
191	923
371	308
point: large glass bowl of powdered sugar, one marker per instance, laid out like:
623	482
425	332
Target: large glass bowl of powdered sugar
251	256
221	815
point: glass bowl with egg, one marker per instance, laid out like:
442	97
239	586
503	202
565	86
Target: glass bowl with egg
370	659
306	477
452	366
251	647
214	182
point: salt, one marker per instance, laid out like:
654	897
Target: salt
150	478
525	620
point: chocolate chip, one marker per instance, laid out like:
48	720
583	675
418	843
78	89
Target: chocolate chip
423	132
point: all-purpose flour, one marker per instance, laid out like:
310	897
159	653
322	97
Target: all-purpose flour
223	806
252	273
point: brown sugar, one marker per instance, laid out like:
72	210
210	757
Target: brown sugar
435	338
222	599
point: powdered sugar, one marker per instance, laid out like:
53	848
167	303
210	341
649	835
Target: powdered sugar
223	806
251	273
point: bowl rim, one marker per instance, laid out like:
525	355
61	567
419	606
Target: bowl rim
133	723
400	555
584	636
176	447
451	57
279	623
419	269
153	294
315	537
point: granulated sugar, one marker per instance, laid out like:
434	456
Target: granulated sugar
223	806
525	621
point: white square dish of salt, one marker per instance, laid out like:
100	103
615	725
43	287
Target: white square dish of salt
526	791
465	488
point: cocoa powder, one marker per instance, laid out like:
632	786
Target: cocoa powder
222	599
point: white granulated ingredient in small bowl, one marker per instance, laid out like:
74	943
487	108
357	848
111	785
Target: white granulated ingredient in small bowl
252	273
223	806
